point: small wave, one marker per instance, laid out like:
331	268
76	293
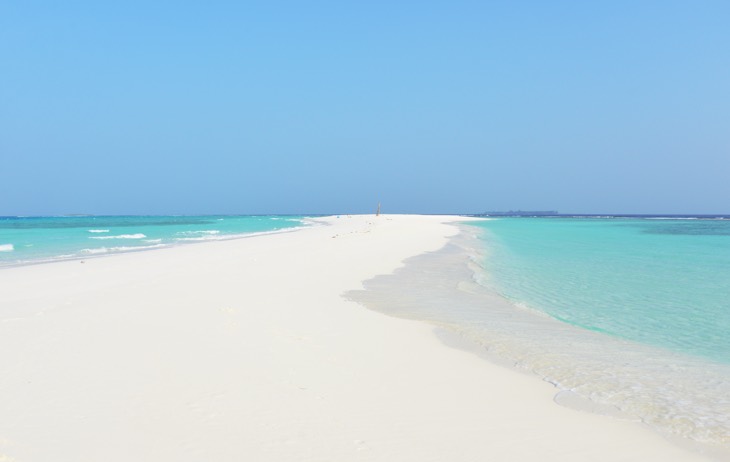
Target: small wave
121	236
6	247
200	238
98	230
295	220
195	233
103	250
153	241
671	218
95	251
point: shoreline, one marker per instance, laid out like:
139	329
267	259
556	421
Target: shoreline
476	319
246	349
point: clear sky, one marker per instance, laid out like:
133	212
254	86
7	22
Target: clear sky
174	107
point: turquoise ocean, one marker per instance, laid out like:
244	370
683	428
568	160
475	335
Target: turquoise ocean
628	317
27	240
662	282
643	306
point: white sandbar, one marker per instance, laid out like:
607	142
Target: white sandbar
246	350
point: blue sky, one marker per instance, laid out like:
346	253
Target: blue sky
331	107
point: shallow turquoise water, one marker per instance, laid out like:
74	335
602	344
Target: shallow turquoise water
626	317
662	282
26	240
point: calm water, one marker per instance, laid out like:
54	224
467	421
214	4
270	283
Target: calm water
642	309
628	317
661	282
26	240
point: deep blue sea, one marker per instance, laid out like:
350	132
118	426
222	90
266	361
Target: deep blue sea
25	240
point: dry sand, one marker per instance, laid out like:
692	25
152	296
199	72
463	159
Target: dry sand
245	350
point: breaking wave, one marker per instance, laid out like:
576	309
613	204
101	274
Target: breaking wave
121	236
103	250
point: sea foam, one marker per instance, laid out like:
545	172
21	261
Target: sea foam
203	235
194	233
121	236
6	247
103	250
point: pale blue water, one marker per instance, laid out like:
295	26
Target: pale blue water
662	282
628	317
626	314
25	240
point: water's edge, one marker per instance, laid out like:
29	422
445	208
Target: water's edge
440	287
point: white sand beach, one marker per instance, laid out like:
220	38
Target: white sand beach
247	350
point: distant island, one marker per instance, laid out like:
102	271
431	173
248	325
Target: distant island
520	213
